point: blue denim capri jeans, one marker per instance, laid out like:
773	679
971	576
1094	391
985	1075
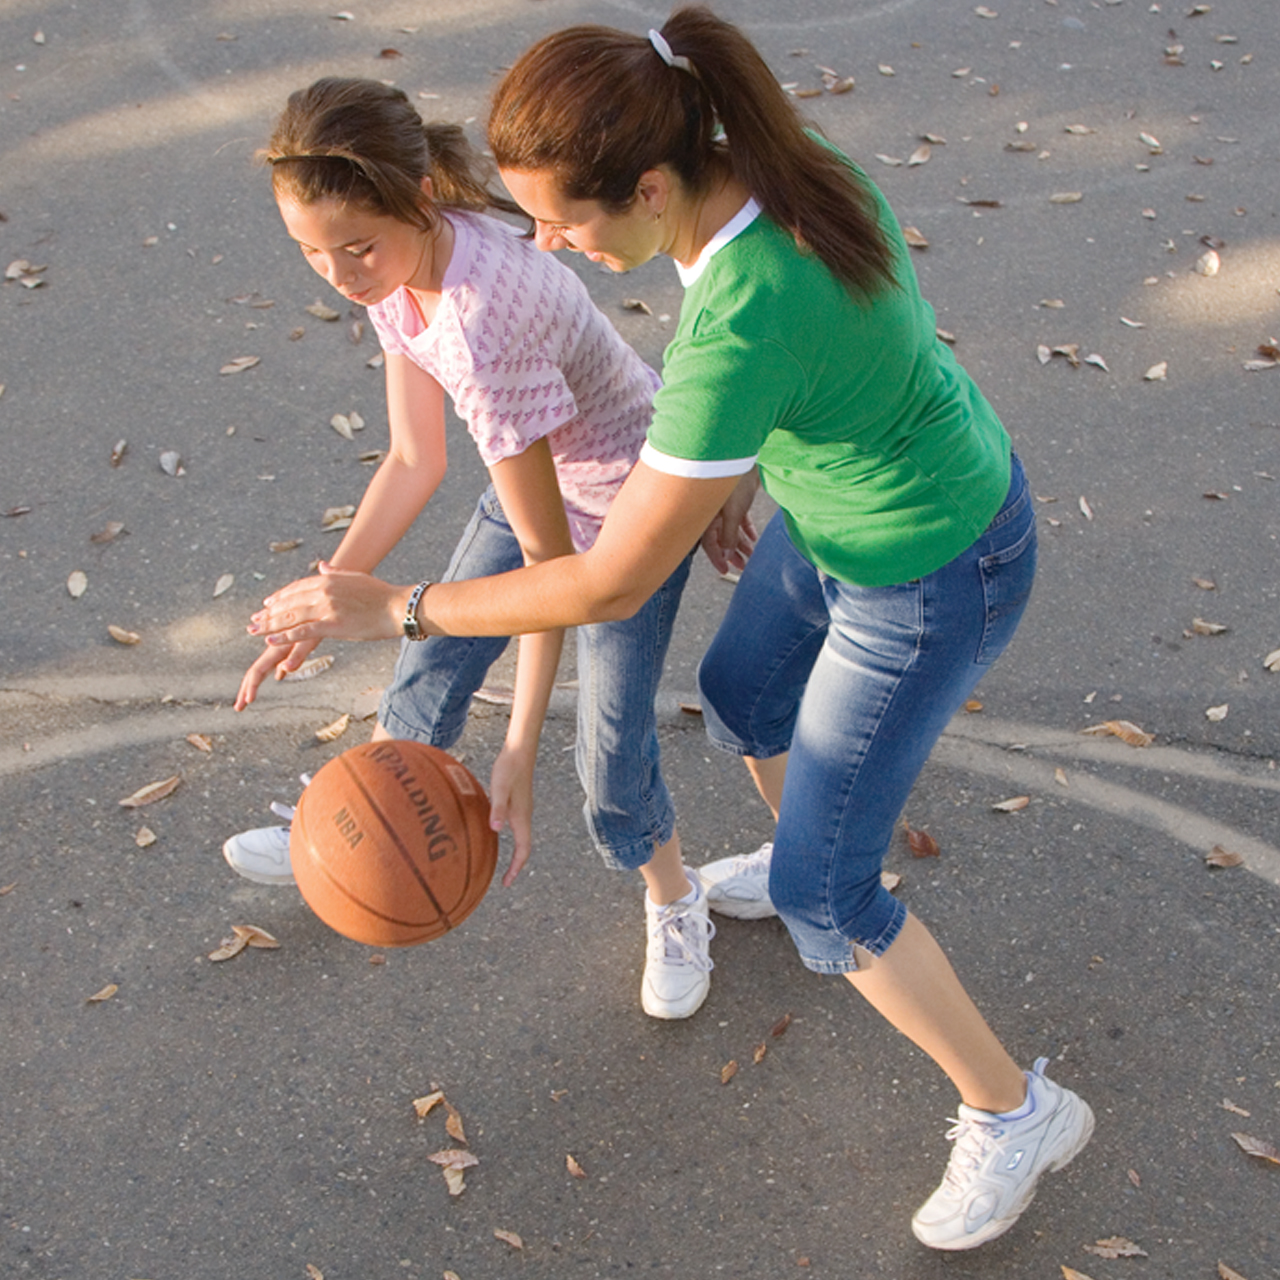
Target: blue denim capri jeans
857	684
628	808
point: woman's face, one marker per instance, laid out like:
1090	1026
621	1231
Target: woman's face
365	256
621	241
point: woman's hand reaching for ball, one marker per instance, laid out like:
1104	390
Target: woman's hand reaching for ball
337	603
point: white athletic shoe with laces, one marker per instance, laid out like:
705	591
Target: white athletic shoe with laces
995	1164
262	855
738	886
677	967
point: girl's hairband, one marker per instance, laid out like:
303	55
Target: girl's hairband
308	156
663	50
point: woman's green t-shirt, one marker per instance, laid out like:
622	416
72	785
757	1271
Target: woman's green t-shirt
883	455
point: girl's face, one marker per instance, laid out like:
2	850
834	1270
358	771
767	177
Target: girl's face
621	241
365	256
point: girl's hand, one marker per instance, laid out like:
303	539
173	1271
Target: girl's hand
282	661
511	805
337	602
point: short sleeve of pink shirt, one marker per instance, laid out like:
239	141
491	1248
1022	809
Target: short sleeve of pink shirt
524	354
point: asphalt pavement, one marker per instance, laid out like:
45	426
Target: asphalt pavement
1071	165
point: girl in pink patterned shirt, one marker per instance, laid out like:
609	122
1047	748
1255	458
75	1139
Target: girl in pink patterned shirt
391	213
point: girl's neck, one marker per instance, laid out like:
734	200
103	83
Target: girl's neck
427	282
698	217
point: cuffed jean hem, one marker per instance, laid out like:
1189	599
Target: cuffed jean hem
633	856
876	946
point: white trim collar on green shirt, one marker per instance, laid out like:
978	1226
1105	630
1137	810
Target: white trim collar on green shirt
735	226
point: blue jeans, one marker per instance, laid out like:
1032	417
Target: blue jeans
857	684
628	808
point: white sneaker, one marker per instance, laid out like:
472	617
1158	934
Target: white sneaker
995	1164
677	968
262	855
739	886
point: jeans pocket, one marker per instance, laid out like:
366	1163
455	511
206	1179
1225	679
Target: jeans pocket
1007	576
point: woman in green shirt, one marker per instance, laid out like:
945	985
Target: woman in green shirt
894	574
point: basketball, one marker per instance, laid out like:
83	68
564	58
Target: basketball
391	845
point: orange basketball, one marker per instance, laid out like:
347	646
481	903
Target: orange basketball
391	844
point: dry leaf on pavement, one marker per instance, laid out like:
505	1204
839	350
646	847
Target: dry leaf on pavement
337	517
1257	1147
921	843
1228	1273
121	636
332	732
728	1071
1125	730
453	1125
105	994
254	937
779	1028
454	1158
108	533
1116	1247
574	1167
229	948
77	584
424	1105
508	1237
151	792
1012	805
311	668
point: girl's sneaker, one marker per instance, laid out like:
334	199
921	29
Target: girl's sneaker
739	886
262	855
677	967
996	1162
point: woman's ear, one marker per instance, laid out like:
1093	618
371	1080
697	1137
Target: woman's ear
428	187
654	190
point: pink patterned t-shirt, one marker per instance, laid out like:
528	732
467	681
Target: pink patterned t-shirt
523	352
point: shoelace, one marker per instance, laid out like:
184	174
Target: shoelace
749	862
972	1139
286	811
669	927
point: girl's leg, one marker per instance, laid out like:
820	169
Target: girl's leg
628	808
429	696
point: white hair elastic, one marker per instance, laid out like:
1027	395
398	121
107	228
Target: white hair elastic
659	42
